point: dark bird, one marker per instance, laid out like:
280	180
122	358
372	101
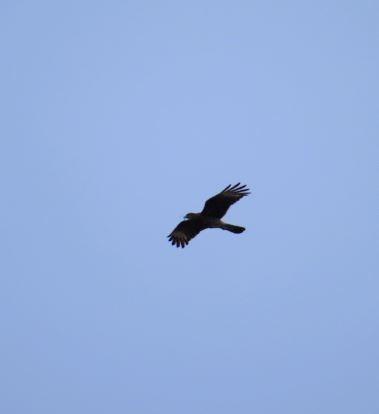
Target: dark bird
210	217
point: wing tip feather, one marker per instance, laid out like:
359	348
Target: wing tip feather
239	189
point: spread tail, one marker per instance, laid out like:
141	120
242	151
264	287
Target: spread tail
233	228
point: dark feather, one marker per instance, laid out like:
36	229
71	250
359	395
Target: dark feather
218	205
185	231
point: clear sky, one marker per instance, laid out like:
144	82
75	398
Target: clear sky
119	117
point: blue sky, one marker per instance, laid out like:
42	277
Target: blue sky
118	118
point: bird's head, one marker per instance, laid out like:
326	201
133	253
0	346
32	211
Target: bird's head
190	216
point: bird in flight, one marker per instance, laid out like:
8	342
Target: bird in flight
210	217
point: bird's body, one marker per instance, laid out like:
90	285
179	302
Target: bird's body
210	217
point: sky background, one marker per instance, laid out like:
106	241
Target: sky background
119	117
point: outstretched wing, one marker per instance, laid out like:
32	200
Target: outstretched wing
185	231
218	205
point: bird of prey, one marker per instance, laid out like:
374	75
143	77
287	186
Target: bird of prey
210	217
